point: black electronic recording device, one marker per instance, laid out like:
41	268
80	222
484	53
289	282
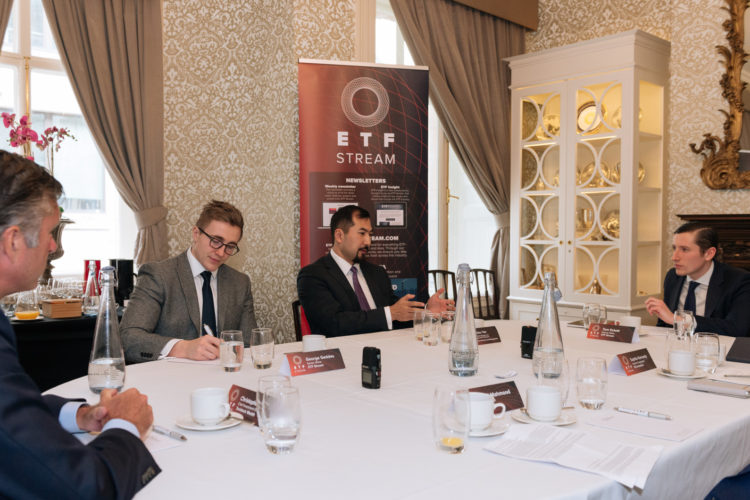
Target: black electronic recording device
371	367
528	335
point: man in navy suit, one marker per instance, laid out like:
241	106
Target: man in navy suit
42	459
716	293
343	294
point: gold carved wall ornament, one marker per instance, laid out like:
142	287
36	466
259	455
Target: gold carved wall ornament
721	156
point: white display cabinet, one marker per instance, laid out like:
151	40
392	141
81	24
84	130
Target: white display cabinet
587	156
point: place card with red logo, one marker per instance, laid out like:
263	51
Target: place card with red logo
242	401
487	335
630	363
303	363
504	392
615	333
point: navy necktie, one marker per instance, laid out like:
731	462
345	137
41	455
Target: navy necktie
363	304
208	317
690	297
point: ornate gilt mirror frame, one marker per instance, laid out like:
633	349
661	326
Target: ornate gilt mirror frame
721	162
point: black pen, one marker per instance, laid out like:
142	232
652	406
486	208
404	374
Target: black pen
169	432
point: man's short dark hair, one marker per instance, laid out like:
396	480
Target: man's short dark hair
222	211
344	218
26	190
705	236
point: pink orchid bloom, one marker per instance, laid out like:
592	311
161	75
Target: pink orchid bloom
24	121
8	119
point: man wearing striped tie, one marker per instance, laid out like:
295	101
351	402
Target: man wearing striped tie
343	294
716	293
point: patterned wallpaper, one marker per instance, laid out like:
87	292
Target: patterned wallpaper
694	29
230	92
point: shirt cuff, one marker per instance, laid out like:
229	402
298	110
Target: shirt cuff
118	423
67	416
388	318
167	347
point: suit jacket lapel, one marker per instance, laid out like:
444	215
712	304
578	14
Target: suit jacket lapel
714	289
187	283
335	271
372	283
221	283
680	281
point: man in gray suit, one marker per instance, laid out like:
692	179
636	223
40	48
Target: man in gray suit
175	301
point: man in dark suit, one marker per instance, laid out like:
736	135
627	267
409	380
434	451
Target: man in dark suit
717	294
176	299
343	294
41	457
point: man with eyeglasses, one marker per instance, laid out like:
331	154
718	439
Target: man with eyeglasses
180	305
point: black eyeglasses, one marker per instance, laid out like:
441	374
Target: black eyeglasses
216	243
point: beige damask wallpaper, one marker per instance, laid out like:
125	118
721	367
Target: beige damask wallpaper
230	92
694	29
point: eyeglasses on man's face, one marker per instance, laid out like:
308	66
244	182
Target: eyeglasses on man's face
216	243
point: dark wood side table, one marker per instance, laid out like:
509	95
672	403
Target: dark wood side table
53	351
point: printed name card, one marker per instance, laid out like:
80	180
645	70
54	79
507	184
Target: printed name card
303	363
504	392
242	401
630	363
615	333
487	335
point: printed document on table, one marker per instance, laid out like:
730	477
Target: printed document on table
651	427
626	464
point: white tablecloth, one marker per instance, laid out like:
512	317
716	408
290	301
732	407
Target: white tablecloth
364	443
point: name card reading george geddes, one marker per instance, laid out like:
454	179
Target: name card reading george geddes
302	363
616	333
242	401
487	335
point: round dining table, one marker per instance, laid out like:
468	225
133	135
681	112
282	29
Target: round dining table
365	443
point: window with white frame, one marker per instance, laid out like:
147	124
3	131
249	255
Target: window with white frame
460	227
32	78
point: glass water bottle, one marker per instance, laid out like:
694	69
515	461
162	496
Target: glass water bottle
548	348
90	304
464	350
107	362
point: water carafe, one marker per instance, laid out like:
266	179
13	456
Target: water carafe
464	350
90	306
107	362
548	349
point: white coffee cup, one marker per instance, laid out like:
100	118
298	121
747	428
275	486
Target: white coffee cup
313	342
209	405
682	362
543	403
634	321
483	410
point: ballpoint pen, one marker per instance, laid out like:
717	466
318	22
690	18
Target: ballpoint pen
643	413
208	330
737	374
169	432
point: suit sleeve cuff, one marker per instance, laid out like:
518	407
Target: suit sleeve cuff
167	347
118	423
388	318
67	416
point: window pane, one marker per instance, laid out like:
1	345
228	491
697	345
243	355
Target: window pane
10	42
7	93
42	43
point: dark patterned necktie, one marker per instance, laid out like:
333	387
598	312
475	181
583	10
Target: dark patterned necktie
690	297
363	304
208	317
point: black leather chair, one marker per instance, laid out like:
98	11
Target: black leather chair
297	312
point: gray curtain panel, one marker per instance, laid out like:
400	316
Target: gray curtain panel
5	8
112	52
463	49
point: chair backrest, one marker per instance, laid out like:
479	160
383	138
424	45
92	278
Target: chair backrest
484	294
439	278
298	325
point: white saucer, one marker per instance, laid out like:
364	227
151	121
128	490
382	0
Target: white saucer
698	374
566	417
498	427
187	422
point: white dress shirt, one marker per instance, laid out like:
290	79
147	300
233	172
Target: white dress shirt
700	291
346	268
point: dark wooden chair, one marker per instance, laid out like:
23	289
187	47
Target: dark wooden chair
297	312
439	278
484	294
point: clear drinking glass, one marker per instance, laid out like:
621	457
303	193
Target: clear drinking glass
261	347
26	306
446	325
707	347
591	382
8	304
266	383
431	334
684	323
232	350
281	416
594	313
554	372
419	318
451	418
